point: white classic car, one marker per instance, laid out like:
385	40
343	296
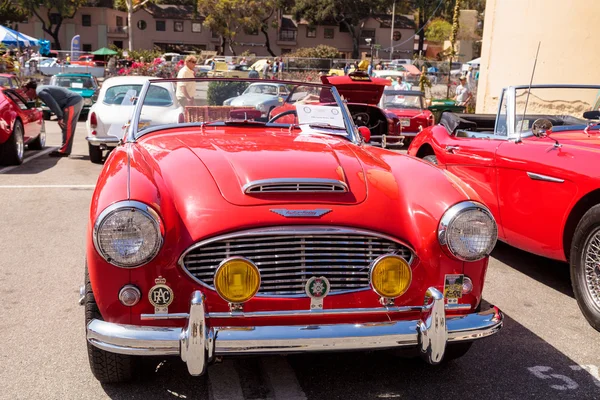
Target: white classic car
112	111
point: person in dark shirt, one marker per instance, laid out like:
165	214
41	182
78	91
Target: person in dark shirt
65	104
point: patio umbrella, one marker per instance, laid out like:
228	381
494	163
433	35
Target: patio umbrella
432	70
8	37
104	52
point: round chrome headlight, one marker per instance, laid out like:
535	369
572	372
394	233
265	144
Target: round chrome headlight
468	231
128	234
87	101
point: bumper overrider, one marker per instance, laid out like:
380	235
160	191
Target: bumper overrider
198	343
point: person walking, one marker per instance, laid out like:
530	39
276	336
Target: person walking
186	91
66	105
265	70
463	94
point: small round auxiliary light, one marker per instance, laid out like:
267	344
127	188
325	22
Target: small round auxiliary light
467	285
129	295
390	276
237	280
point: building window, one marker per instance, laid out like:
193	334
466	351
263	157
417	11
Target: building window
141	24
287	35
86	48
119	21
161	26
329	33
311	32
86	20
196	26
344	28
55	18
178	26
367	33
118	43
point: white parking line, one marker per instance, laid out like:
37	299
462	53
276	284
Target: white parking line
25	161
47	186
225	381
283	379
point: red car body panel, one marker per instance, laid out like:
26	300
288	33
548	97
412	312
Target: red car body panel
10	111
194	181
531	214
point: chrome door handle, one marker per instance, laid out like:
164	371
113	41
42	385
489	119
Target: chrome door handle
452	149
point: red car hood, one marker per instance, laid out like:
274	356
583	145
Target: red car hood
408	112
364	90
260	156
578	138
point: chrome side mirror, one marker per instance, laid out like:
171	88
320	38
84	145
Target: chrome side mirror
541	126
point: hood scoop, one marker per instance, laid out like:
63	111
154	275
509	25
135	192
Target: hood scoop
296	185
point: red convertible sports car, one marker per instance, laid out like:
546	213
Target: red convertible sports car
226	235
535	165
21	124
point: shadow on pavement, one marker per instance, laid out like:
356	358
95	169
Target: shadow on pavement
495	368
552	273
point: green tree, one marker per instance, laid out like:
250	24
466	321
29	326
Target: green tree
349	13
438	30
56	11
321	51
227	17
9	12
425	10
453	36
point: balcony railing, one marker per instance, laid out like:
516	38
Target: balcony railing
118	29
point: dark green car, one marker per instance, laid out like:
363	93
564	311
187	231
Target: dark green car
438	106
83	84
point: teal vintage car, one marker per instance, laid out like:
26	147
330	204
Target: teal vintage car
83	84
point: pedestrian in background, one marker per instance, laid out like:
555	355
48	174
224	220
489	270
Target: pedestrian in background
463	94
65	104
280	67
186	91
265	70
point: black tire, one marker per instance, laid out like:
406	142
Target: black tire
39	142
95	154
431	159
588	231
13	150
106	367
47	115
456	350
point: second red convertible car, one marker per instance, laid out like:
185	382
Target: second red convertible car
535	165
21	124
227	235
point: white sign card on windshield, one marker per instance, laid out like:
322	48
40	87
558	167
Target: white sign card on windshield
77	85
319	115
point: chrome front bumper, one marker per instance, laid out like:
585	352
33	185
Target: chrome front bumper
198	344
108	141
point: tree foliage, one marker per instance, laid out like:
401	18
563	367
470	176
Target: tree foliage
321	51
56	11
350	13
228	17
9	12
438	30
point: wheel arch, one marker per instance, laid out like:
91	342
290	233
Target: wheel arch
577	212
425	150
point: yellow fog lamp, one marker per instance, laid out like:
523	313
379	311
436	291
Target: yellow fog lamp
237	280
390	276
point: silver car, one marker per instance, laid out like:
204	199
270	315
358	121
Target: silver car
262	96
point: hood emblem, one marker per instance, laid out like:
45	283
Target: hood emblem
300	213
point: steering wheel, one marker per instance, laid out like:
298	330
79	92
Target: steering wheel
361	119
541	126
283	114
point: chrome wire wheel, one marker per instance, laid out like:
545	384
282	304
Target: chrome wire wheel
19	144
591	263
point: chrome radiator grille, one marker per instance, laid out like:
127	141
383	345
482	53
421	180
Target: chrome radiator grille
286	260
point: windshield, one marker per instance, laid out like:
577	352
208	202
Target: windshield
73	82
309	108
398	99
157	96
563	106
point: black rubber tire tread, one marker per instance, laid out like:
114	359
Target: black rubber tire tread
107	367
36	144
588	224
431	159
8	152
95	154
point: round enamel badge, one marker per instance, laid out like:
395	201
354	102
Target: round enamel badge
317	287
160	295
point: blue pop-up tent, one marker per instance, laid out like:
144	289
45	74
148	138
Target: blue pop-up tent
9	37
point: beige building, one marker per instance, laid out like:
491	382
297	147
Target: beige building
512	31
175	27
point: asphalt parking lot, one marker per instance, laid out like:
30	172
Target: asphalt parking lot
546	349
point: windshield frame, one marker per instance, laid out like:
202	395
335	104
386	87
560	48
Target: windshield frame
511	100
133	133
